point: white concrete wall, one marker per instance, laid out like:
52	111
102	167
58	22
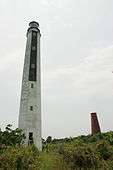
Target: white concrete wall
30	121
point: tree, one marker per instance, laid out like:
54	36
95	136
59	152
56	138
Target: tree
49	139
11	137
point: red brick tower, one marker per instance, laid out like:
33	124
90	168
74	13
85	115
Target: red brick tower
95	127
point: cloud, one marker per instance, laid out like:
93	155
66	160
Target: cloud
91	74
73	91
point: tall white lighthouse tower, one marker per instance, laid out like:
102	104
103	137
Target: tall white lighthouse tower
30	104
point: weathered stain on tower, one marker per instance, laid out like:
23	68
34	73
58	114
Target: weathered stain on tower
30	103
95	127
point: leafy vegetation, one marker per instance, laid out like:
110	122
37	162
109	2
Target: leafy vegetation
79	153
11	137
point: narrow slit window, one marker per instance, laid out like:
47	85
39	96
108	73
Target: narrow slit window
30	138
31	108
31	85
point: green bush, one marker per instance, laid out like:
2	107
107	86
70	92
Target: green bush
19	158
105	150
80	157
11	137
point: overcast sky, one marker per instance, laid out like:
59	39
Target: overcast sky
77	62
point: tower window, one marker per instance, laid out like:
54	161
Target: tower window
31	85
33	59
31	108
30	138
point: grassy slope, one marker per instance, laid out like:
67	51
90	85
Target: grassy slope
52	161
87	152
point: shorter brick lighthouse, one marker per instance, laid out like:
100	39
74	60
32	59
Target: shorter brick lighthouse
95	127
30	103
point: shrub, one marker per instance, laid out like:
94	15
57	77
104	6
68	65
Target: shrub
20	158
80	157
11	137
105	150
